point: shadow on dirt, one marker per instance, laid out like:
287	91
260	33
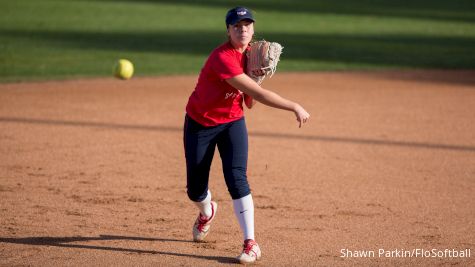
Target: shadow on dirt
65	242
317	138
460	77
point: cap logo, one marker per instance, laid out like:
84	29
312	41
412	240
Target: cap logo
241	13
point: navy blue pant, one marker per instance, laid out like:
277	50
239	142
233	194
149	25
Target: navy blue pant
200	143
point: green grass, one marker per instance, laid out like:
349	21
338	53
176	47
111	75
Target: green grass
57	39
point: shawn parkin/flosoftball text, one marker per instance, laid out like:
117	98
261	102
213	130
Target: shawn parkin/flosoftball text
406	253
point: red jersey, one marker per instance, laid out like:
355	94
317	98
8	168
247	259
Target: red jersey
214	101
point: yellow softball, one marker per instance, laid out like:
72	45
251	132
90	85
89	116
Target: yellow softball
123	69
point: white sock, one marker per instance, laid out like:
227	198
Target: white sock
205	206
244	210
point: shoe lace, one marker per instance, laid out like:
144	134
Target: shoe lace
247	247
202	222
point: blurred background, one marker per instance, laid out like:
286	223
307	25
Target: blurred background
58	39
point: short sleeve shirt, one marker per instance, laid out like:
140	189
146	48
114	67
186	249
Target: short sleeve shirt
214	101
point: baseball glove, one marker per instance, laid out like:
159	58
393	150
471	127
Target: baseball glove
262	59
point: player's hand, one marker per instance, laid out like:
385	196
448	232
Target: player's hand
302	115
258	72
249	101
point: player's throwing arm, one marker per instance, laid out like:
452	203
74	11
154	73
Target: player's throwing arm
248	86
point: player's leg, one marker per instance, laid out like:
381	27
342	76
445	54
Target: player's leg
199	144
233	149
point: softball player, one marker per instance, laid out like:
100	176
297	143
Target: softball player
214	117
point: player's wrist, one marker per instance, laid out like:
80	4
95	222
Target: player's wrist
295	107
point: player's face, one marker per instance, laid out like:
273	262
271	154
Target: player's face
241	33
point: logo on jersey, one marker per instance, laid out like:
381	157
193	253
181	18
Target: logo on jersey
232	94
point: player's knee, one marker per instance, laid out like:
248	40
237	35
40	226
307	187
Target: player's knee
239	192
197	195
238	187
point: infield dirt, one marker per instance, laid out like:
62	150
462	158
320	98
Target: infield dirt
92	172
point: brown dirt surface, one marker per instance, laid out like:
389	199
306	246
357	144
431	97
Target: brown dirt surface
92	172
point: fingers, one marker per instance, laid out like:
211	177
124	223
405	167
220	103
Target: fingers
303	119
302	115
258	72
307	118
